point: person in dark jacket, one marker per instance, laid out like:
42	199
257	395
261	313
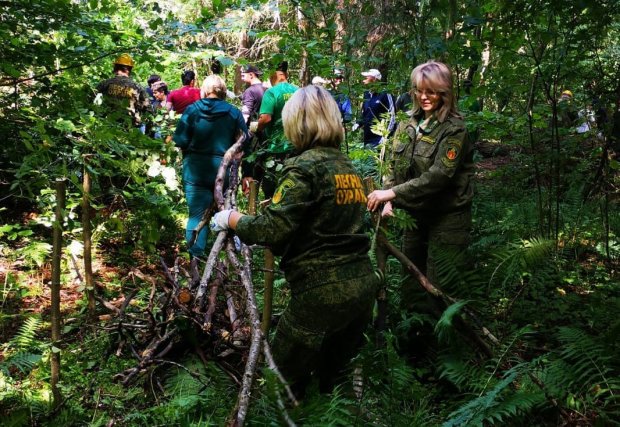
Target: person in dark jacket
431	174
343	101
207	128
122	92
316	223
376	106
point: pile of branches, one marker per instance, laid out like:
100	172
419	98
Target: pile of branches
218	302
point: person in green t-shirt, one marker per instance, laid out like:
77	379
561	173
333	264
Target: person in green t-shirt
275	147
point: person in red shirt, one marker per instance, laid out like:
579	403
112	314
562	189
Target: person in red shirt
179	99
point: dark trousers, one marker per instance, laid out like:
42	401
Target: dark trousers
434	233
322	329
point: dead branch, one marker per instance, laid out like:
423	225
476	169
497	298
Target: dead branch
435	291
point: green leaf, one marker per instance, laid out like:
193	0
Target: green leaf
64	125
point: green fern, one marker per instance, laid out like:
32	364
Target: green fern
497	405
465	375
444	328
583	366
23	361
25	338
20	350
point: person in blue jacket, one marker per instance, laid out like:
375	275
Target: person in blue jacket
374	108
343	101
207	128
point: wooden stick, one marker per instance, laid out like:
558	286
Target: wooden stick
268	291
55	291
432	289
218	245
257	337
250	366
218	193
87	237
215	285
381	256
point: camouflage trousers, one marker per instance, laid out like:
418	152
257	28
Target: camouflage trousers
434	233
322	327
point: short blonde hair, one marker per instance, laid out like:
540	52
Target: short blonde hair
213	84
311	118
435	76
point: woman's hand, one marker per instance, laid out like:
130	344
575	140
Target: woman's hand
387	210
379	196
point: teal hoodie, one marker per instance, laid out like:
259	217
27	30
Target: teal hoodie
205	131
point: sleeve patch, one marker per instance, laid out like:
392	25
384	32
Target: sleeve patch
450	158
281	191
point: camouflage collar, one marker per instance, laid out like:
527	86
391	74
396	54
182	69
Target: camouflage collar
433	123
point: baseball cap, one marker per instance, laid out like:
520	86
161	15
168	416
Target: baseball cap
251	69
318	80
373	72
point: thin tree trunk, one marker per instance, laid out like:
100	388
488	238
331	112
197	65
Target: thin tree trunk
530	122
87	238
55	291
304	72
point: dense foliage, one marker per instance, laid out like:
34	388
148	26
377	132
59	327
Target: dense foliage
542	270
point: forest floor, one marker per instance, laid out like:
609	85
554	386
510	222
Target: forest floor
26	291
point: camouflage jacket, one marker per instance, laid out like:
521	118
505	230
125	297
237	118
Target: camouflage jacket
316	217
123	91
431	169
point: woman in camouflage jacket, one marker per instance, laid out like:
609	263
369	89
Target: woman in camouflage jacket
430	176
315	222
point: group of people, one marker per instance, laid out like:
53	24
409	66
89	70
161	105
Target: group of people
315	221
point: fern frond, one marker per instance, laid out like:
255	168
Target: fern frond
498	405
584	369
444	328
25	338
463	374
23	361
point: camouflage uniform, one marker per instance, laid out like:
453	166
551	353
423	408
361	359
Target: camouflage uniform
315	223
431	171
123	91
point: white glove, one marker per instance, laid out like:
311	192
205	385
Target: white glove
355	127
219	222
253	127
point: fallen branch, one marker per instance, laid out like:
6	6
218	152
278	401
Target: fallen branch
434	290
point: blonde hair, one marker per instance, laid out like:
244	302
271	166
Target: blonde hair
311	118
435	76
213	84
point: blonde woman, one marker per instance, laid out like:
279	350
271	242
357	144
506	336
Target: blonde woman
315	222
207	128
430	174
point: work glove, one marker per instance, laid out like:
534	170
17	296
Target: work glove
355	127
253	127
219	222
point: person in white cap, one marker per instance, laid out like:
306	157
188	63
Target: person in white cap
376	104
319	81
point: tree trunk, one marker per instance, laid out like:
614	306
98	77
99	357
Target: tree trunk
55	291
87	238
